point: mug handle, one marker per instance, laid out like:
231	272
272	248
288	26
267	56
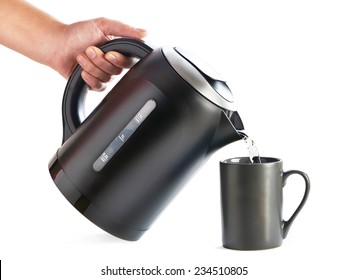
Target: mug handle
287	224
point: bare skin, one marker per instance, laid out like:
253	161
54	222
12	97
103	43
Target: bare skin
37	35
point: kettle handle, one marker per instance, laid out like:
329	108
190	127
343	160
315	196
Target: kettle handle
76	88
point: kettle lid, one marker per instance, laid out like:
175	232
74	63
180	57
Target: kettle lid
201	77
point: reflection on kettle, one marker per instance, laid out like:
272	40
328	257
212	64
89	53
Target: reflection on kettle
126	161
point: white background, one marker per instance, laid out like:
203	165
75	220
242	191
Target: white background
286	63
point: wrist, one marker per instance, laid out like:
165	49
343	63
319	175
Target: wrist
55	48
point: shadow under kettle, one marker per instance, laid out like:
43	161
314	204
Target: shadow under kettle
126	161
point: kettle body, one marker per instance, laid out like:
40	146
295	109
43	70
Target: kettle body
123	164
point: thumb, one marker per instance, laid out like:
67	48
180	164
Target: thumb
119	29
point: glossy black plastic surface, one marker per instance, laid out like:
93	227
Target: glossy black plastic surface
150	168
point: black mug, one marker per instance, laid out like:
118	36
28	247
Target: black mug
252	200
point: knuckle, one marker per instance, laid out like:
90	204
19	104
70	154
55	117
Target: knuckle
105	78
91	81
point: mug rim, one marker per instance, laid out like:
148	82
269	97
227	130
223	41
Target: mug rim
246	161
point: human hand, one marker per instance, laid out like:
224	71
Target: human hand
78	43
61	46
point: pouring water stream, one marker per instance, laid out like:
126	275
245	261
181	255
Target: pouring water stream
251	147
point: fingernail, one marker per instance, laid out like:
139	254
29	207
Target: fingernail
144	31
81	60
90	53
111	58
141	29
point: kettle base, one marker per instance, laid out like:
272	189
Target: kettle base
87	208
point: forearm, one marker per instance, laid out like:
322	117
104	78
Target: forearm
26	29
37	35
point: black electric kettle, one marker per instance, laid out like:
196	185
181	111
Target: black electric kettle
125	162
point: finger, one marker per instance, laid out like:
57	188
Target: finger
92	69
92	82
119	60
120	29
98	59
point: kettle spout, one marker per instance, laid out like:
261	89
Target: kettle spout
227	131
